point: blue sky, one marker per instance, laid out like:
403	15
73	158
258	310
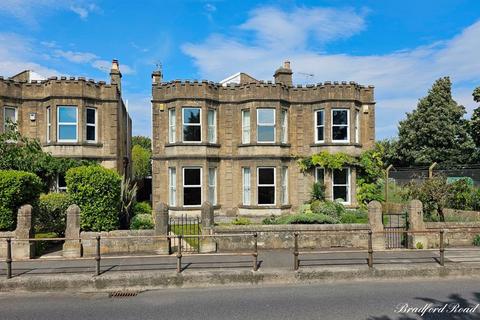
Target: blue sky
400	47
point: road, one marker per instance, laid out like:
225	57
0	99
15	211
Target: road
358	300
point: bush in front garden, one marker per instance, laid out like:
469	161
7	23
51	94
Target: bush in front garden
52	213
142	221
96	190
16	189
142	208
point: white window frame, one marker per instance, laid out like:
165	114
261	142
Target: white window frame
246	133
58	188
192	186
347	140
319	125
49	124
284	124
212	186
284	185
357	126
212	128
172	125
246	183
349	196
190	124
172	186
66	123
267	185
267	124
91	125
15	109
317	170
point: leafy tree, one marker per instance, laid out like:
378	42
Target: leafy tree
436	131
475	121
141	162
144	142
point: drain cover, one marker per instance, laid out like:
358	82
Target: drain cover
123	294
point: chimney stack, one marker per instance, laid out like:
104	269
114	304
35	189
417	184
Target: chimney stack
283	74
116	75
157	76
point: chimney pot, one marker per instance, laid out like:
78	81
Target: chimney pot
286	64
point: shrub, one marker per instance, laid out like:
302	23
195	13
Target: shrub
51	213
16	189
318	191
270	220
241	221
330	208
348	218
142	221
419	245
142	208
476	240
304	218
461	195
96	190
476	200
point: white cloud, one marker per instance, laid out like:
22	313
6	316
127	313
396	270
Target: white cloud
400	77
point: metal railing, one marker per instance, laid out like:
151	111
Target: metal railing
370	252
98	255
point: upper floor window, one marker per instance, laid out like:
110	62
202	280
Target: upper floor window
246	126
172	128
9	116
357	126
266	125
67	124
266	186
192	186
319	126
91	125
212	126
341	185
340	132
49	124
192	125
284	133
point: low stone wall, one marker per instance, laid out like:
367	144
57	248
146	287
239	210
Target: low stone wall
456	233
129	244
467	215
3	242
281	236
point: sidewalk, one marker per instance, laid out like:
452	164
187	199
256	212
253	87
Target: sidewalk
274	267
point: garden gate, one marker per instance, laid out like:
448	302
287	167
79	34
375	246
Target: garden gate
184	225
394	225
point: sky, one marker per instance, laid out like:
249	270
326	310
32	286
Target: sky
400	47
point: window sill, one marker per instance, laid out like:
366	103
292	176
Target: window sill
327	144
190	208
194	144
281	145
74	144
285	206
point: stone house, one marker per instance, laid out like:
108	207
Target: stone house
71	117
234	143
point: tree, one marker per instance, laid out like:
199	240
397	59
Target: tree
436	131
144	142
475	121
141	162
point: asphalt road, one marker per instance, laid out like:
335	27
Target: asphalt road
359	300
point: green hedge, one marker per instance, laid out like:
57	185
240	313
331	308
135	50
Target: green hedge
142	221
52	213
96	190
142	208
16	189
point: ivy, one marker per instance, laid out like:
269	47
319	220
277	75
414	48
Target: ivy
327	160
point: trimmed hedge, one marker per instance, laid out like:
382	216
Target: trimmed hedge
96	190
142	208
52	213
16	189
142	221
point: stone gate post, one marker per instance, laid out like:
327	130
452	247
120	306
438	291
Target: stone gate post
72	248
24	230
376	225
207	244
415	223
161	229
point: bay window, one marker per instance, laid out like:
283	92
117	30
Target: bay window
10	116
212	126
319	126
266	125
284	185
357	126
212	185
246	185
67	123
172	186
341	185
91	125
192	186
340	122
172	128
192	124
49	124
320	175
245	126
266	186
284	132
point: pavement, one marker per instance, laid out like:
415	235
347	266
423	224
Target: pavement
372	300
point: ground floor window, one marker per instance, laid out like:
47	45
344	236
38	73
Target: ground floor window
61	183
172	192
246	185
341	185
320	176
192	186
212	185
284	185
266	186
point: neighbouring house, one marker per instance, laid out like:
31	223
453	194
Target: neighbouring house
71	117
234	143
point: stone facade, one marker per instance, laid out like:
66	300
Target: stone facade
36	104
223	150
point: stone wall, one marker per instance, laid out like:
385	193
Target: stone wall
456	233
467	215
281	236
129	244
